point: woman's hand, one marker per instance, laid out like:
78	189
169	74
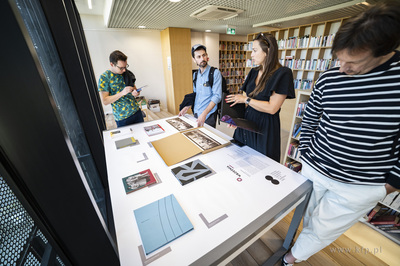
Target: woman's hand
235	98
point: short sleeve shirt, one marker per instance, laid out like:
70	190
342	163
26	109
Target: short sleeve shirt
113	83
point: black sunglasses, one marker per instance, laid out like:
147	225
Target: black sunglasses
262	37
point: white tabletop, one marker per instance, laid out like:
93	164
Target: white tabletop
238	193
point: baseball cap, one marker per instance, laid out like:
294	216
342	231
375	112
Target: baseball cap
197	47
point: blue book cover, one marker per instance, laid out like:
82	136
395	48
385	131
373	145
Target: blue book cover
161	222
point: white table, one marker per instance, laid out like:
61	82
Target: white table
229	210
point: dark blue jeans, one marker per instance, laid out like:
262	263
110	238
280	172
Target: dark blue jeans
133	119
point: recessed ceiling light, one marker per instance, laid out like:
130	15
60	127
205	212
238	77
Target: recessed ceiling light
174	1
208	30
141	27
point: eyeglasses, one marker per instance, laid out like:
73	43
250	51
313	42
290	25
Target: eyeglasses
123	68
273	181
263	37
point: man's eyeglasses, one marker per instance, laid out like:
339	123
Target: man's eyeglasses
123	68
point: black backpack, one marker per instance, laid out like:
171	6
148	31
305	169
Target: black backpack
211	82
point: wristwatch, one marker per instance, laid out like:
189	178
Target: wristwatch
247	100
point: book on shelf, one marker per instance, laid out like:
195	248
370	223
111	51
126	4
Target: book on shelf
395	204
372	213
385	219
296	130
390	198
161	222
153	130
191	171
293	165
138	181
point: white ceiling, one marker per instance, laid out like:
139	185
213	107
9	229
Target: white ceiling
161	14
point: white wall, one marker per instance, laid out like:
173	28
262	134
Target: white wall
211	42
143	48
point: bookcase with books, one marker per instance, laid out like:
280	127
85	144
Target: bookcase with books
385	217
232	63
305	49
292	154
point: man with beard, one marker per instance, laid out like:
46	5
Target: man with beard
206	96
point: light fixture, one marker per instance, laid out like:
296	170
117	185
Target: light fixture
141	27
175	1
208	30
89	2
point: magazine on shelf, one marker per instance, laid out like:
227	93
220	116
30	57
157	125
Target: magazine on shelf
161	222
139	180
153	130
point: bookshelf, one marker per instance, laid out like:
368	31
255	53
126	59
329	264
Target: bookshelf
292	155
305	49
390	205
232	63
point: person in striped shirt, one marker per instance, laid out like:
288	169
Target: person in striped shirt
351	128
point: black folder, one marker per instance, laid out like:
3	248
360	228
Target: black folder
235	116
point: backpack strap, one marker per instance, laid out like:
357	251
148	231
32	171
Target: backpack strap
211	76
195	78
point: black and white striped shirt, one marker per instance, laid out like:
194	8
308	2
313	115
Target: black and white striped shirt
351	126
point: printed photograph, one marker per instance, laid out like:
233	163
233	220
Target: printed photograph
179	124
201	139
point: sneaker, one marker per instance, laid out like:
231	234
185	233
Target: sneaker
284	263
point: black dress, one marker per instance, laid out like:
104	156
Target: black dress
269	142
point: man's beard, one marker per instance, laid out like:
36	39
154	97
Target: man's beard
203	64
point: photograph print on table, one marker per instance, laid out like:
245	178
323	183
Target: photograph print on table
179	124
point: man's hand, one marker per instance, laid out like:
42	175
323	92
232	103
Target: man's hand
135	93
201	119
126	90
184	111
390	188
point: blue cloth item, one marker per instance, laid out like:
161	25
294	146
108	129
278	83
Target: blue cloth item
133	119
204	92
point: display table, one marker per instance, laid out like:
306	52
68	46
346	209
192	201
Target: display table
229	210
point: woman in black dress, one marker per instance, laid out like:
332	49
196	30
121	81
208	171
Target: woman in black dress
266	87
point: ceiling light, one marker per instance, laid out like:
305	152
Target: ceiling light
141	27
89	2
175	1
208	30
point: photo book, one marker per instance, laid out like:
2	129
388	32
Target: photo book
183	145
161	222
153	130
191	171
235	116
139	180
122	143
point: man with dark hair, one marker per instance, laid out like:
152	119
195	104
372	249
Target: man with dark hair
117	86
206	95
351	129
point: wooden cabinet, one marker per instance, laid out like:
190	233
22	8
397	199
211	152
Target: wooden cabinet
232	59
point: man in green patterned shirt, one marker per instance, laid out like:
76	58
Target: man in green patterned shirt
113	90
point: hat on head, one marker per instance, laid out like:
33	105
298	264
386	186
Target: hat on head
198	47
